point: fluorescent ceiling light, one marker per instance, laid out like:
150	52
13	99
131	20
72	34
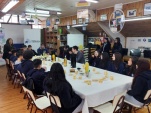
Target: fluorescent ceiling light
10	5
137	19
59	13
80	25
37	14
93	1
42	11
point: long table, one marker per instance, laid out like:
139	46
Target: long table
95	93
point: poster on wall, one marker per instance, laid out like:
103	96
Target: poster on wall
131	13
82	13
147	9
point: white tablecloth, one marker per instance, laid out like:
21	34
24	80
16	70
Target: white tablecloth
96	93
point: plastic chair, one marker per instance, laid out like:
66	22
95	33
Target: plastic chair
114	107
42	103
147	102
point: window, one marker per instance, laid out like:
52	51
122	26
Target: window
14	19
6	17
37	26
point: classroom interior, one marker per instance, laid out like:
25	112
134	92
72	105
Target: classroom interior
92	43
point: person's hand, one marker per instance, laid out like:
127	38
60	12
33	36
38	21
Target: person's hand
45	68
92	56
10	52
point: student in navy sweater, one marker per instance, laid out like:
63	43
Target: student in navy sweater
27	63
141	83
19	55
13	57
38	75
104	61
131	66
42	50
117	65
56	84
95	59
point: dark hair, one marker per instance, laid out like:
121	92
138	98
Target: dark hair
7	42
29	46
37	62
75	47
133	66
107	40
98	53
104	61
118	60
24	46
19	53
143	65
70	49
28	54
55	79
118	39
14	51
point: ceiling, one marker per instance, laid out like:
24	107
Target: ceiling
66	6
137	28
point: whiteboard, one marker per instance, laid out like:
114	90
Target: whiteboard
15	31
75	40
32	37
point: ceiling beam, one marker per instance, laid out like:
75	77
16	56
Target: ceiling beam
9	18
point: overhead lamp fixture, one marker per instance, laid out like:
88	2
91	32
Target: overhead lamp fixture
137	19
93	1
59	13
11	4
34	14
42	11
80	25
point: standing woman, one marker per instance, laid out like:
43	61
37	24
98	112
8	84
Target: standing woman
106	46
8	47
131	66
105	60
117	65
117	46
140	84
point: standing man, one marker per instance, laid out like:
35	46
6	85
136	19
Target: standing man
79	55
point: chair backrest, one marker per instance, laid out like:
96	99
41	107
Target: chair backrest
7	61
118	102
12	65
29	93
23	75
54	99
147	98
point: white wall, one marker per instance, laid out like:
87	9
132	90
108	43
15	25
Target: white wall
32	37
75	39
135	42
16	32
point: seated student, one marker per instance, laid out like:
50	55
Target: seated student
95	59
79	55
42	50
116	65
105	61
141	83
66	52
131	66
13	57
27	63
56	84
24	48
70	53
19	58
30	48
38	75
